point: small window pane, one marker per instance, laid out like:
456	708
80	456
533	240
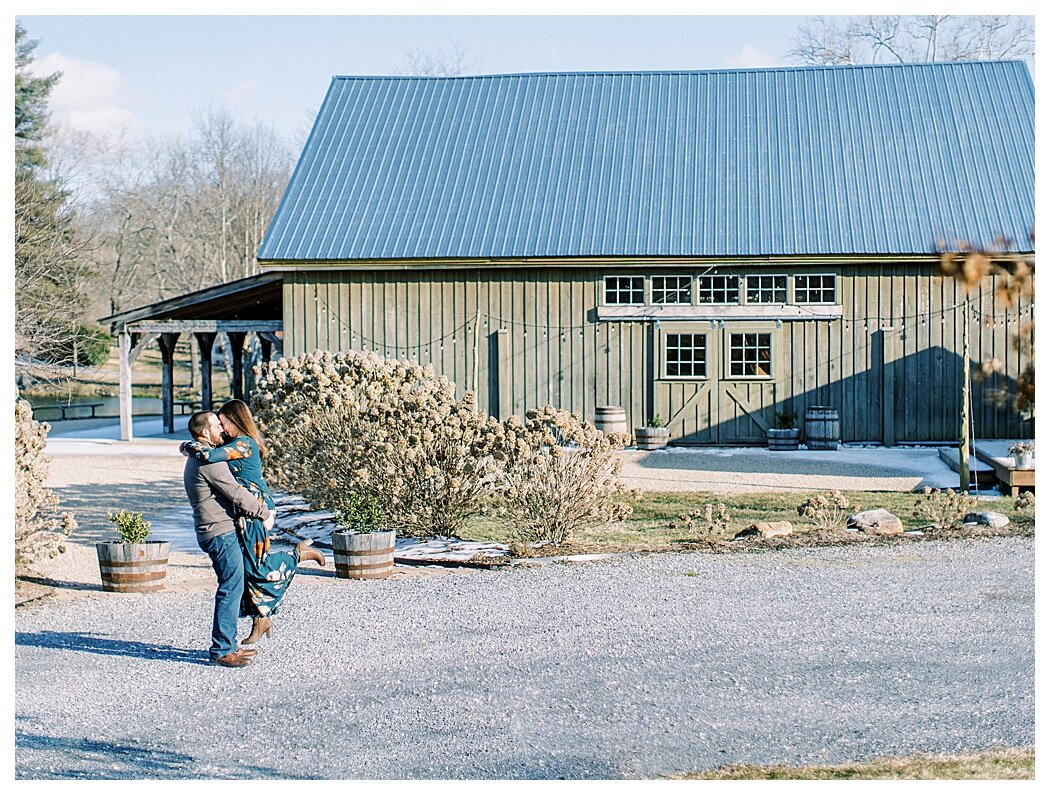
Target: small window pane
672	289
685	355
624	290
815	288
750	355
718	290
767	289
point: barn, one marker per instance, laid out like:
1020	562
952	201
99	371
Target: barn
712	247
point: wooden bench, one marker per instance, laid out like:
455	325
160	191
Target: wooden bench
66	407
192	405
996	454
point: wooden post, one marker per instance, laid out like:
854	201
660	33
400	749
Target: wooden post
477	355
205	340
964	413
166	342
236	339
124	349
889	359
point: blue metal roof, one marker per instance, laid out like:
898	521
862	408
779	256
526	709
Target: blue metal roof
883	159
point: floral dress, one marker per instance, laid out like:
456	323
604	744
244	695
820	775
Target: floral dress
266	574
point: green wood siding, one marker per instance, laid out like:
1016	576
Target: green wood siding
540	342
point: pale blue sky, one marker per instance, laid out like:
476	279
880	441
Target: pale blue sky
154	73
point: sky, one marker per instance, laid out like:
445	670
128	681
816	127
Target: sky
152	75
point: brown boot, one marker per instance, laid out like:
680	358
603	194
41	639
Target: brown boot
235	659
307	552
260	626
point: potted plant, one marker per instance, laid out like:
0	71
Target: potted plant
784	435
654	435
365	549
132	565
1023	453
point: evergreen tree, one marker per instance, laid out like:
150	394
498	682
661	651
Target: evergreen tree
51	270
31	93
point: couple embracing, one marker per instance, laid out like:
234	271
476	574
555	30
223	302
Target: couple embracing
233	514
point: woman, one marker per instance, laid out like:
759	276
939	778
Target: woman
267	574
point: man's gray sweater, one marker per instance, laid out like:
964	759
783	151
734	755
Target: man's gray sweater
217	498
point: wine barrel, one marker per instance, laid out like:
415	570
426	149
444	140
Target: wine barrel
610	419
822	428
133	568
363	556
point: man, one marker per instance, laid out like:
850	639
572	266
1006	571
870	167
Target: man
217	499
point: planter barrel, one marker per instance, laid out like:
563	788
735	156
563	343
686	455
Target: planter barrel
823	429
133	568
610	419
1024	460
652	438
364	556
783	438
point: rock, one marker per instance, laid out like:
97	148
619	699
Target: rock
765	530
878	521
987	518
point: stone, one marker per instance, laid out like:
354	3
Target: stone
765	530
987	518
879	521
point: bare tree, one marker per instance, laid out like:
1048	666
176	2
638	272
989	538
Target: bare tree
913	39
183	214
436	63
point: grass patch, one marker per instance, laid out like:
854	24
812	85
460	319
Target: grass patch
648	529
997	764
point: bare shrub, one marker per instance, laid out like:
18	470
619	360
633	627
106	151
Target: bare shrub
828	513
944	510
1025	503
558	473
715	525
39	528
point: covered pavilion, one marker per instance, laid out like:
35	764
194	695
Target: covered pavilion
252	305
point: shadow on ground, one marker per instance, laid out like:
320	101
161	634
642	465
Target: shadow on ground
114	760
91	504
111	647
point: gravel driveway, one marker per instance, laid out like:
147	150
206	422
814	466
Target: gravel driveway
633	667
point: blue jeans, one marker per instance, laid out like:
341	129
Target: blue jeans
228	562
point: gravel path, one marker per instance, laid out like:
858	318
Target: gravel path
633	667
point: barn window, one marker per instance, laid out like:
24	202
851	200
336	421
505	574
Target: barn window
750	355
815	288
672	289
685	355
718	290
767	289
624	289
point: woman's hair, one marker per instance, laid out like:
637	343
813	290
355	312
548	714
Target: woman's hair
238	411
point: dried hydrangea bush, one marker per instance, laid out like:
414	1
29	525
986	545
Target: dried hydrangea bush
828	513
944	510
356	423
39	528
557	474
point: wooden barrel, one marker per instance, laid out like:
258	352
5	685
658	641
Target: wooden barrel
133	568
782	438
822	428
364	556
610	419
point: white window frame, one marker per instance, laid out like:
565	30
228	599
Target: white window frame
834	289
727	347
689	282
604	287
709	353
739	290
787	289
